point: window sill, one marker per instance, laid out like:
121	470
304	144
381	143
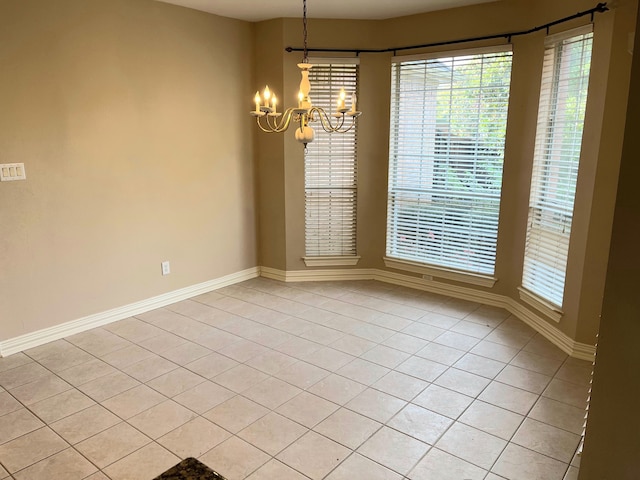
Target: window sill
448	274
540	304
337	261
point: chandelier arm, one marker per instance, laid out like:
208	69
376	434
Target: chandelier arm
345	130
266	130
276	126
273	126
325	121
340	128
353	124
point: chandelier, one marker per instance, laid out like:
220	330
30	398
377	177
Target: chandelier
271	121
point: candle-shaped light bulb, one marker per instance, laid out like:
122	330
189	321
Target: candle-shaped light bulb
343	95
274	100
266	95
257	100
300	98
354	100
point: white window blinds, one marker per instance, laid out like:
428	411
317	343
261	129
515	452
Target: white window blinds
448	125
563	96
330	169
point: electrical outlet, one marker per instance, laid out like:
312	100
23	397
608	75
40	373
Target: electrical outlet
166	268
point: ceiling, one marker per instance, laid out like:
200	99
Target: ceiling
255	10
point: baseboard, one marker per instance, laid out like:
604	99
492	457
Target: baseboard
561	340
323	275
40	337
578	350
433	286
550	332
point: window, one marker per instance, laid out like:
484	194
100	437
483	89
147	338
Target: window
330	168
563	96
448	125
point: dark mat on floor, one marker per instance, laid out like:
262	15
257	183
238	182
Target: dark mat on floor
190	469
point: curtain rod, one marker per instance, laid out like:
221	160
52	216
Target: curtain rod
599	8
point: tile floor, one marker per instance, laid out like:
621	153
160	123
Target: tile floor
265	380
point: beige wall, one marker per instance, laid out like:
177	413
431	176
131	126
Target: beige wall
612	442
269	151
131	119
601	153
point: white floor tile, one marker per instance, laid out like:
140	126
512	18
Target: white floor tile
393	383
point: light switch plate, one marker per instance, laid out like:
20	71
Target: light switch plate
12	171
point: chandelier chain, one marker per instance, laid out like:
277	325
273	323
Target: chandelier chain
304	30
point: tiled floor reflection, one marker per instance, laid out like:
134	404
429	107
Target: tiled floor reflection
264	380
